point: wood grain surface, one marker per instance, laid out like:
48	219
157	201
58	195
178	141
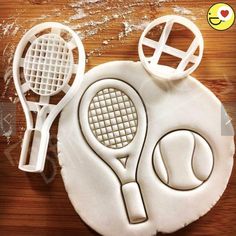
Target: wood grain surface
37	204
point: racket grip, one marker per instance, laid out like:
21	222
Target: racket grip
134	203
34	150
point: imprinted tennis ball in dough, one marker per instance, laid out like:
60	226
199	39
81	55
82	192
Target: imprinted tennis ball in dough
183	159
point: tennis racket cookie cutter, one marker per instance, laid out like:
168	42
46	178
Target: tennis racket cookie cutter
113	120
152	65
46	68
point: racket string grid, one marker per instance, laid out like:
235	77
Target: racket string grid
113	118
47	64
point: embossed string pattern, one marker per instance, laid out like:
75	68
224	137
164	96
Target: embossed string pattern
47	64
113	118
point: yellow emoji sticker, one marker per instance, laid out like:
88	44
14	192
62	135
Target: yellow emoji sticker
221	16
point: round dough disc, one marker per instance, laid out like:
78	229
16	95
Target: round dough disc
176	110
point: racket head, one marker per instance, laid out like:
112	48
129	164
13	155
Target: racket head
47	59
152	65
112	118
48	64
74	43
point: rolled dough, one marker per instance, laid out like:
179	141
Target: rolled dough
178	109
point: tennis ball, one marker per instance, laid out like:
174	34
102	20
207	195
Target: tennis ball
183	159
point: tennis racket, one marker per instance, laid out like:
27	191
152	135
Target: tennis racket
44	63
113	120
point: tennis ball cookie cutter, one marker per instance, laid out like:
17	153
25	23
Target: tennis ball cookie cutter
152	65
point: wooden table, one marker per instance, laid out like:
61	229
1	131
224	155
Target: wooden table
37	204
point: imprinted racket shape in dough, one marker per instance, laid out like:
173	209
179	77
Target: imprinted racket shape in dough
114	124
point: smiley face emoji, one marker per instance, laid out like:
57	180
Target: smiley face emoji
220	16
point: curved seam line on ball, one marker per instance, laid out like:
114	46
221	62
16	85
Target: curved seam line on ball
194	148
165	165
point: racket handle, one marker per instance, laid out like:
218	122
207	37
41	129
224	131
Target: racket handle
134	203
34	150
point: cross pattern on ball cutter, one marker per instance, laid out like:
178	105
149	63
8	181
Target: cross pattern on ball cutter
183	160
113	121
189	60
